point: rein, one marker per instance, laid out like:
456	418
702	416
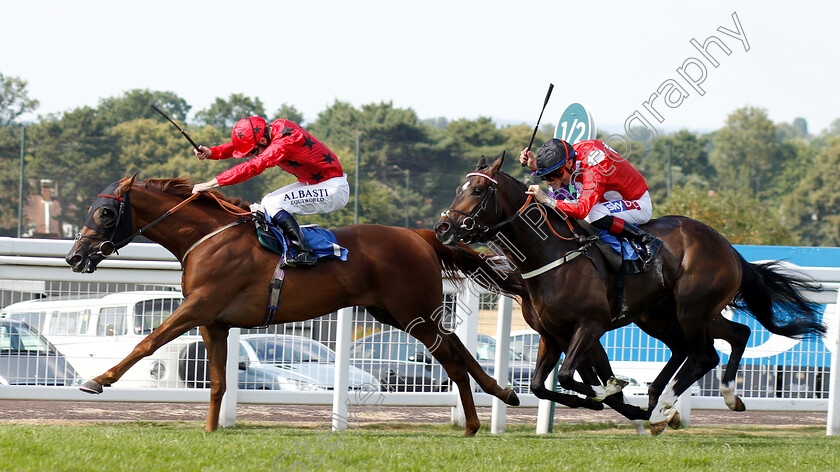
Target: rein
226	206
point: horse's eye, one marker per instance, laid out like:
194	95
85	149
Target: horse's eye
478	190
105	217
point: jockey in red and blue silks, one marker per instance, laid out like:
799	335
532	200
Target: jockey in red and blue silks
321	187
590	180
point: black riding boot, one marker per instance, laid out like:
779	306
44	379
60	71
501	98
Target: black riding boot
650	245
305	255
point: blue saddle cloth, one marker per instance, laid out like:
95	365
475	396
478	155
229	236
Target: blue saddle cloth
628	251
323	242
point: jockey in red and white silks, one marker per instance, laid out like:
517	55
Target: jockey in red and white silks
603	188
321	187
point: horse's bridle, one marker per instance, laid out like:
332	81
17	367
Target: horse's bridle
119	227
479	232
484	232
121	224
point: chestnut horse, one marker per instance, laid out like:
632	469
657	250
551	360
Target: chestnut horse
395	273
678	299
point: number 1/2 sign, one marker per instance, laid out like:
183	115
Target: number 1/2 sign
576	124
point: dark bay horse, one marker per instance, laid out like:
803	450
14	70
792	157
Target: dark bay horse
395	273
678	299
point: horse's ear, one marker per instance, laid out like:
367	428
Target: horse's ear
482	163
125	185
497	164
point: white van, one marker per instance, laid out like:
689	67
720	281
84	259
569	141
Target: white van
96	333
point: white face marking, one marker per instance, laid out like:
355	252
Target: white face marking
465	187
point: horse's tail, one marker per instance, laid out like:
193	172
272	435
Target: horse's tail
490	273
766	288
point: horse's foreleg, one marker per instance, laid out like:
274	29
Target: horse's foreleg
547	357
737	336
178	323
599	369
583	339
215	341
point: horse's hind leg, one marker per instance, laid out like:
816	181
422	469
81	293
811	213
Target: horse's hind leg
482	379
215	341
737	336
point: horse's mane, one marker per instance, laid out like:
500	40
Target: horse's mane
182	187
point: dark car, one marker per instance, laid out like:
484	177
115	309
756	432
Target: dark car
27	358
403	364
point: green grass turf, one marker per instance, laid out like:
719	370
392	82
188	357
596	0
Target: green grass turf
385	448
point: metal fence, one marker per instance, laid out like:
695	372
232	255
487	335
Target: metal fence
94	320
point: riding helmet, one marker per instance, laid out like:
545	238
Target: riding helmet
246	133
552	155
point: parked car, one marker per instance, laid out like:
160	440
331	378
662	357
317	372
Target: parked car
275	362
403	364
95	333
525	343
27	358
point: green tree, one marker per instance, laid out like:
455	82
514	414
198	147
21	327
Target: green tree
9	179
688	158
744	153
737	214
78	152
14	99
814	203
223	114
288	112
136	104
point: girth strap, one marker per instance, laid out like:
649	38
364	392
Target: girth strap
274	289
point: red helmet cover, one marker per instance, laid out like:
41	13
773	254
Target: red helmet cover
245	135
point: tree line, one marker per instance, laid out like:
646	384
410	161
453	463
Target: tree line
755	181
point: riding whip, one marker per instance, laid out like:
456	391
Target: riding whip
534	134
182	131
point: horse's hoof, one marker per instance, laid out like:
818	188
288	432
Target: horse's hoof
739	405
91	387
674	420
470	431
620	383
510	398
657	428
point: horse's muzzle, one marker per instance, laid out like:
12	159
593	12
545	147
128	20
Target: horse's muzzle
446	232
80	262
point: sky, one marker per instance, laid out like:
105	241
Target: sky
455	59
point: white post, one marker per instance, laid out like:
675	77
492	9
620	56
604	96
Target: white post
832	424
227	416
501	367
342	369
684	407
544	418
466	312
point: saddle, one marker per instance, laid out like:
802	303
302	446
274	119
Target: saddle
323	241
622	258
